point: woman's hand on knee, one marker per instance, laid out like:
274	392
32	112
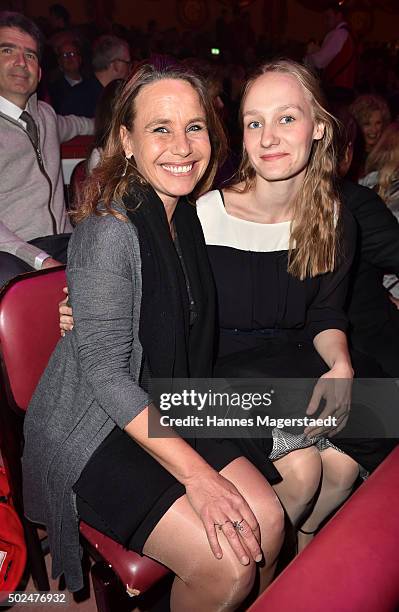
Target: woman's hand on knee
222	508
65	313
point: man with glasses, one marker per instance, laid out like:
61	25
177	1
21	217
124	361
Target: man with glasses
111	60
69	63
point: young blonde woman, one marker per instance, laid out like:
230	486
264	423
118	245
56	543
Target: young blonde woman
281	245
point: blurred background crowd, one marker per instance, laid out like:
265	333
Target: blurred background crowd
81	59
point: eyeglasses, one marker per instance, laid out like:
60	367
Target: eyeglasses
119	59
69	54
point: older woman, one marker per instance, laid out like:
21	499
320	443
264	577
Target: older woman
372	115
382	168
143	300
382	175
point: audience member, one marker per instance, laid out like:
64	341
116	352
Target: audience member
373	319
102	121
281	243
382	167
350	147
69	63
33	224
111	60
337	56
382	175
372	115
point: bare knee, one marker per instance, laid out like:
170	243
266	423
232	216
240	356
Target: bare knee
340	470
301	472
275	518
308	473
239	582
271	519
227	585
262	500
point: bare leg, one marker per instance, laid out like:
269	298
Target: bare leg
268	511
301	472
339	475
179	541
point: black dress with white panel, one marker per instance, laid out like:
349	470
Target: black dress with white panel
268	318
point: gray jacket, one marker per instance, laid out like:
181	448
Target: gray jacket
90	384
31	205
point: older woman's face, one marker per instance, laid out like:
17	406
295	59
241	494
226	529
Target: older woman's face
372	129
169	139
279	128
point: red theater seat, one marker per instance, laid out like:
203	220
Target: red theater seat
77	147
352	565
29	331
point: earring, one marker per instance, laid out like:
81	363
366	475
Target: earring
127	161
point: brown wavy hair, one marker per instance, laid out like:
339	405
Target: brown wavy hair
314	239
113	177
384	158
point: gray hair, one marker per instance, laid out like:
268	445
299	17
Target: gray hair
105	50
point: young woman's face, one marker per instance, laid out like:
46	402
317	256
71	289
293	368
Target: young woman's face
279	128
372	129
169	139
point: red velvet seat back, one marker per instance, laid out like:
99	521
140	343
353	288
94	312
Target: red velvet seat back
352	565
29	330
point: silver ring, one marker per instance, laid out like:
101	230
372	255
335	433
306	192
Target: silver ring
237	525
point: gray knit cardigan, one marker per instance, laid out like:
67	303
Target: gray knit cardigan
90	384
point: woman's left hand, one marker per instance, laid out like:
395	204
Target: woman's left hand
335	387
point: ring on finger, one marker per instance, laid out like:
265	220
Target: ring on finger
238	525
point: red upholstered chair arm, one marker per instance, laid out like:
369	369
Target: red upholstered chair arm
137	573
353	563
77	147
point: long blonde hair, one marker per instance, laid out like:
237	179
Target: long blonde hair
316	208
384	158
113	177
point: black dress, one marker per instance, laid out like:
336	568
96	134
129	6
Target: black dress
113	496
374	320
267	318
